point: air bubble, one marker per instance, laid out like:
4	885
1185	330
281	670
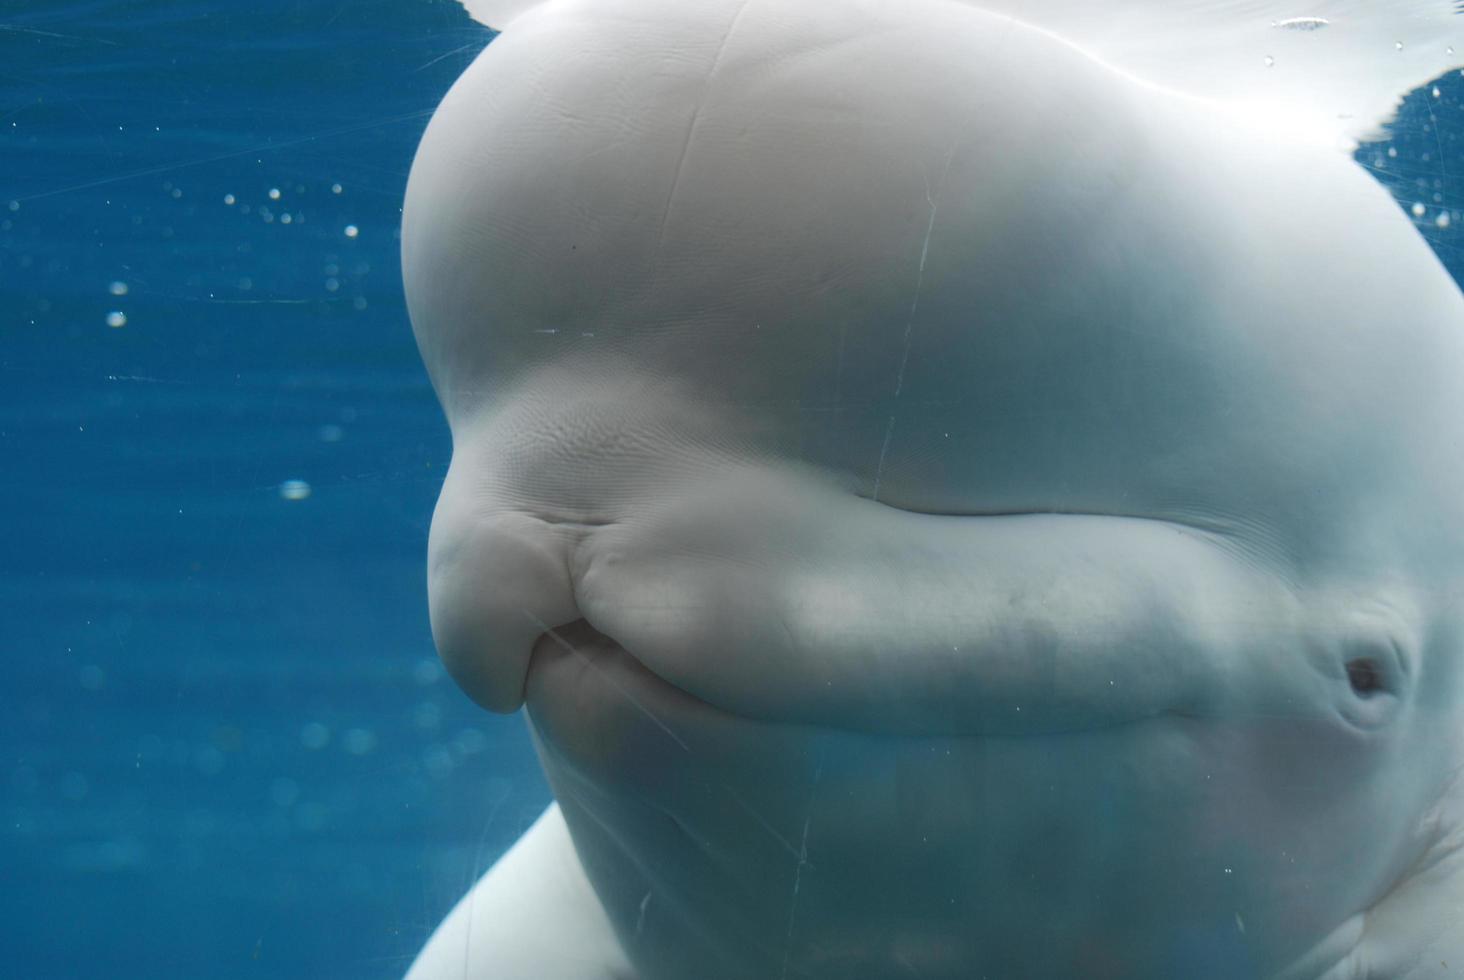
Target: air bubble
352	231
314	736
358	741
437	761
1418	209
283	792
116	319
427	671
470	741
229	199
294	490
274	193
117	288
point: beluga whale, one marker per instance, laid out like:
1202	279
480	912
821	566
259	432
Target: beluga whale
961	489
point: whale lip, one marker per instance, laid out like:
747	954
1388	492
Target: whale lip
873	618
781	590
738	614
773	590
581	641
545	579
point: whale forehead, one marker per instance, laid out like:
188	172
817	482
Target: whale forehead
864	238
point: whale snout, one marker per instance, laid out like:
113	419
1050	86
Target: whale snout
775	593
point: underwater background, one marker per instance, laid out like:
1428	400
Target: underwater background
226	746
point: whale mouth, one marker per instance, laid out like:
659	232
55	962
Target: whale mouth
774	594
578	678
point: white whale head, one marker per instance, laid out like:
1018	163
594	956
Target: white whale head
958	493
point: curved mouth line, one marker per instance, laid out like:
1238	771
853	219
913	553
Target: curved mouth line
1213	530
778	599
555	635
1216	528
645	674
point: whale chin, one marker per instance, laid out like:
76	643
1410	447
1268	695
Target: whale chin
840	853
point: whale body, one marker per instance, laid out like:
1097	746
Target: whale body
962	489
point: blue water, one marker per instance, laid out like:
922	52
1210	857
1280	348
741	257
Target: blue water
226	749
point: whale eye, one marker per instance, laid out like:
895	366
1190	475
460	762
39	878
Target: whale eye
1377	681
1365	676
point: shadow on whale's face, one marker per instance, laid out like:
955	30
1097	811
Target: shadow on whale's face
939	525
